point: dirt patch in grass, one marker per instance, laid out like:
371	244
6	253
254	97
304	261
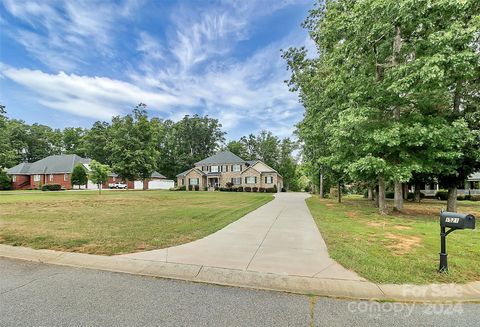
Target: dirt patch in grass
376	224
403	243
351	214
401	227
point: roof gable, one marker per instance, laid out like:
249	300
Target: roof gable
224	157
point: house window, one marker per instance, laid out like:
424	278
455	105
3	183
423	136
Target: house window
36	178
268	179
250	180
237	181
214	169
50	178
183	181
194	181
236	167
65	177
224	168
14	178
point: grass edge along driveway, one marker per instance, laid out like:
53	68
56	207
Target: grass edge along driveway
118	222
398	248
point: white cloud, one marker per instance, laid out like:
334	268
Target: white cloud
93	97
63	34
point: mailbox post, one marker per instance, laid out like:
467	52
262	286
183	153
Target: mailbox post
453	221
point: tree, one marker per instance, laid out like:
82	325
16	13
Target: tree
133	145
95	143
79	176
238	148
73	141
378	96
98	174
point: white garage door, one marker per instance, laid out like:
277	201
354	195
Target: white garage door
138	185
161	184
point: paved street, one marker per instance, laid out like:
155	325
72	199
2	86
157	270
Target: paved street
35	294
280	237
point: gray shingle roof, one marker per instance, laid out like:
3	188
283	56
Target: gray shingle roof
187	171
474	177
49	165
156	174
224	157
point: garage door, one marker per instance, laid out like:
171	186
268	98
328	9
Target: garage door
161	184
138	185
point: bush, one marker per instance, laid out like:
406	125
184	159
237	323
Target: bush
197	188
462	197
216	188
275	188
190	187
5	182
283	189
261	189
271	190
182	188
248	189
475	197
51	187
389	195
240	189
254	189
441	195
411	195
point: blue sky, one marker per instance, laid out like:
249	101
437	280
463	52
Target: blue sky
70	63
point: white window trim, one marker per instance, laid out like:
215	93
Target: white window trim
197	181
214	169
14	178
36	178
249	180
50	178
269	179
237	168
237	180
65	177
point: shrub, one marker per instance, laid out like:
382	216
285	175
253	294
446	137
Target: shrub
275	188
229	185
441	195
254	189
307	189
389	195
216	188
5	182
248	189
461	197
190	187
411	195
182	188
475	197
271	190
283	189
240	189
197	188
51	187
261	189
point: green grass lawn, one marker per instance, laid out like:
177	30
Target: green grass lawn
398	248
118	221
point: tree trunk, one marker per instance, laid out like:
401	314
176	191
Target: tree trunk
375	195
405	191
320	190
452	199
99	188
144	186
398	196
370	193
416	194
382	202
339	193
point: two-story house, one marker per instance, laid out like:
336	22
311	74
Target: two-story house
226	167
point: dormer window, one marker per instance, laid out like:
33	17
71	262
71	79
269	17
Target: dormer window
214	169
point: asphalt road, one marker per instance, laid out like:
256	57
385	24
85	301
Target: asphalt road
35	294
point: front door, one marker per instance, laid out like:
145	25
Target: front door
213	182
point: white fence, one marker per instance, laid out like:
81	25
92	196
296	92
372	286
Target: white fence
459	191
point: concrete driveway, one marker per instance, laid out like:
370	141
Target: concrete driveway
280	237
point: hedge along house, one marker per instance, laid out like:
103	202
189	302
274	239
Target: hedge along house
226	167
55	169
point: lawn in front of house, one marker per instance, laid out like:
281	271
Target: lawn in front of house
118	222
400	247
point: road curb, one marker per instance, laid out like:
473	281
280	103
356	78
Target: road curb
351	289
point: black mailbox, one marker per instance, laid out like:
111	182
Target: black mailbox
457	220
454	221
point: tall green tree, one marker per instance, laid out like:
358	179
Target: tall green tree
133	145
73	141
95	143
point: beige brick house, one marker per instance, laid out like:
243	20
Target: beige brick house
226	167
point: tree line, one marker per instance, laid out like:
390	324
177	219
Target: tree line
135	145
391	95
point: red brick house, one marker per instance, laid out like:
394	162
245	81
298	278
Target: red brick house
57	169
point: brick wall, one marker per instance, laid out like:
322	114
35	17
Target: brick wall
19	180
